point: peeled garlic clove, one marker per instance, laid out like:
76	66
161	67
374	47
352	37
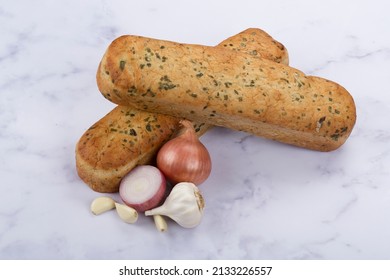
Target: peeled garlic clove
102	204
160	223
126	213
184	205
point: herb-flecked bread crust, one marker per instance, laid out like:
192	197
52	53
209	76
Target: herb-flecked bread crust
122	139
227	88
118	142
257	43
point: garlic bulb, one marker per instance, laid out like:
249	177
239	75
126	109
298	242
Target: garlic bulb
184	205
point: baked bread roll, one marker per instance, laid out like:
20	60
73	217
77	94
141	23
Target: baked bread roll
227	88
127	137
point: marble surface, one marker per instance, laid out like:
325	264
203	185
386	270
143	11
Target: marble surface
265	200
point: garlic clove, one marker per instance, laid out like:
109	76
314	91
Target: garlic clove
102	204
126	213
184	205
160	223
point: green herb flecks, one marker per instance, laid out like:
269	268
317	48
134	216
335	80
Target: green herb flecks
322	119
251	84
335	136
165	83
228	84
285	80
122	64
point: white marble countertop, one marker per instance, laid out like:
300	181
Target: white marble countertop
265	200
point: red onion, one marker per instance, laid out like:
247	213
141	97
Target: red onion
143	188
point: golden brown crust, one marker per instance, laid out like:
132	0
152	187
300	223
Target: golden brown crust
257	43
227	88
104	154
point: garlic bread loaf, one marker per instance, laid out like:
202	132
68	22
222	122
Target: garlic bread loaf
227	88
127	137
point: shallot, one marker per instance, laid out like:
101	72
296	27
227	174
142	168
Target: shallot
184	158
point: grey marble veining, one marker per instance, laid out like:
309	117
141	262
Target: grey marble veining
264	200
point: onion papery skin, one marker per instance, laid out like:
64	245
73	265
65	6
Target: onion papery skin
185	158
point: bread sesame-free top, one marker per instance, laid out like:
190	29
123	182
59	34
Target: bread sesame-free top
226	88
